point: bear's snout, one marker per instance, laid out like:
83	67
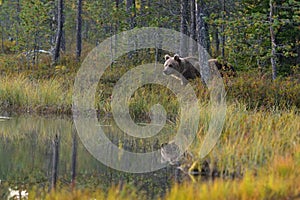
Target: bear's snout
166	71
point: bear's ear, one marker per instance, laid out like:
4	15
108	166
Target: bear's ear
177	58
167	57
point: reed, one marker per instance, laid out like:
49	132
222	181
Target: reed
23	94
266	183
262	184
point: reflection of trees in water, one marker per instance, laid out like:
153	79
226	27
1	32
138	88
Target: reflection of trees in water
26	153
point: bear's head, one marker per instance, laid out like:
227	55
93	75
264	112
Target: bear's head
172	65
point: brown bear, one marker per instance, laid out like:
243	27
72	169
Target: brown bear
181	68
186	68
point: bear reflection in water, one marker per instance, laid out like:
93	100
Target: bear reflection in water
184	161
171	154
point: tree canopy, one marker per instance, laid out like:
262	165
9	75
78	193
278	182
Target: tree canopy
244	33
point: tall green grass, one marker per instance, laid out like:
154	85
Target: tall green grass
279	179
51	89
20	93
261	92
250	139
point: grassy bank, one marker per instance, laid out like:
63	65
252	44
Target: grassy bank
280	179
21	94
26	93
38	87
250	140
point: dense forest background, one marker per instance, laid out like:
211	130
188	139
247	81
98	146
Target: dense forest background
259	34
42	46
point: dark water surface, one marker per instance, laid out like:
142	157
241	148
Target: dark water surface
26	151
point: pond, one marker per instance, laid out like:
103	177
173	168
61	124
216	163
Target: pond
26	152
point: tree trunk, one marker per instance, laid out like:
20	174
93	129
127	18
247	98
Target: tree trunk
143	13
131	10
18	22
117	24
223	29
202	27
63	36
78	30
203	42
149	6
184	28
53	26
59	32
273	44
217	42
193	32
